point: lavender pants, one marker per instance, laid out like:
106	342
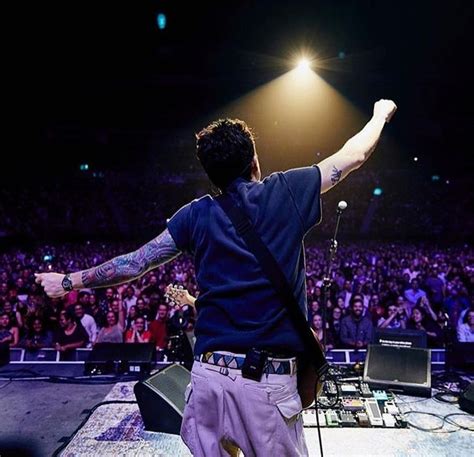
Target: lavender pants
226	413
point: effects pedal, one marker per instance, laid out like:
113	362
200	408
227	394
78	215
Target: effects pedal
365	390
322	418
347	419
352	404
363	419
391	408
309	418
373	412
348	390
330	388
331	418
380	395
388	420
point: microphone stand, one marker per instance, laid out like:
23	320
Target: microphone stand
327	281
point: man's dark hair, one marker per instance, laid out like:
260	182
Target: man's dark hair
225	149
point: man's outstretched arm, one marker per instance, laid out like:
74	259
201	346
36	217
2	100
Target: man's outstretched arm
356	150
120	269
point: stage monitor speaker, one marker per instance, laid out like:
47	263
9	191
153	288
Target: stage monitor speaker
4	354
466	399
120	358
161	399
398	369
460	356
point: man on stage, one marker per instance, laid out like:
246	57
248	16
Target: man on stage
238	309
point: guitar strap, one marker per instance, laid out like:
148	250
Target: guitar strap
270	267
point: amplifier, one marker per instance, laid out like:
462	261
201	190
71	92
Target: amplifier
120	358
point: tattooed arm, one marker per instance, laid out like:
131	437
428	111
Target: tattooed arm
120	269
356	150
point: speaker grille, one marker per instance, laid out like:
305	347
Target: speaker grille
171	384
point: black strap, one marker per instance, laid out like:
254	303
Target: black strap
270	267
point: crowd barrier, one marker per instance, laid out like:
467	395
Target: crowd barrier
336	356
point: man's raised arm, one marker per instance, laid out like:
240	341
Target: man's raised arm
120	269
356	150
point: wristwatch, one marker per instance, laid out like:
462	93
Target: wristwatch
67	283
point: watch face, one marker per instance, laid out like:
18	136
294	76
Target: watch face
67	283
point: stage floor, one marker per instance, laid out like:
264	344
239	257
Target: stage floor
52	411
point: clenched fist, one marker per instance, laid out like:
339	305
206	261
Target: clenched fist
385	109
51	283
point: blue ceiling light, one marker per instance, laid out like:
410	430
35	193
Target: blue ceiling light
161	21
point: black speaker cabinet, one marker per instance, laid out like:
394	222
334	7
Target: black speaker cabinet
398	369
466	399
120	358
4	354
161	399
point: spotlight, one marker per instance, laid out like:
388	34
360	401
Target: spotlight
415	159
303	64
378	191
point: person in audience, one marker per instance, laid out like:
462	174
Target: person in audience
132	315
356	330
317	326
112	332
159	327
37	336
97	313
465	330
419	320
14	315
335	325
414	293
314	308
71	335
143	310
138	334
346	294
9	334
129	298
393	319
435	286
87	321
117	307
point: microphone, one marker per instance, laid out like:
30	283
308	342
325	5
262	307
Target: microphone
342	205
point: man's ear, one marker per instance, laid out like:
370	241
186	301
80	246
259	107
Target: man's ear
255	168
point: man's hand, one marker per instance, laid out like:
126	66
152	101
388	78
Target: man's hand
385	109
51	283
357	149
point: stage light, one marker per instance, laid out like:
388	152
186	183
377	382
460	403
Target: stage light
342	55
161	21
84	167
415	159
378	191
303	65
435	178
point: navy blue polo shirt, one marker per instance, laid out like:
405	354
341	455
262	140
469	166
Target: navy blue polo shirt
237	307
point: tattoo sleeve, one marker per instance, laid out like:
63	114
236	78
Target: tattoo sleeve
335	175
126	267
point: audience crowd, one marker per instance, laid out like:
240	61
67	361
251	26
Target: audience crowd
115	205
374	286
